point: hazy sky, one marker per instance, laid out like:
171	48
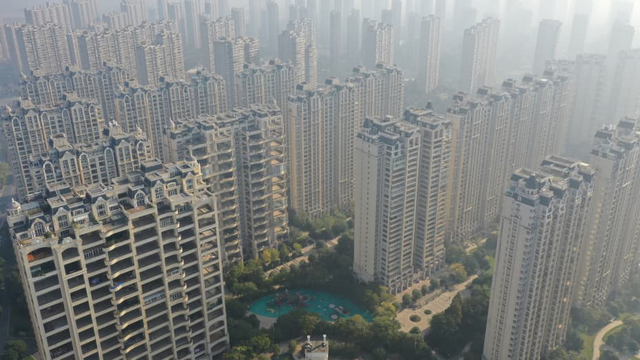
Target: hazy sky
12	9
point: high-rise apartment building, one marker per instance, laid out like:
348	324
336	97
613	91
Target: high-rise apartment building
479	47
230	57
38	48
133	269
387	178
99	85
265	84
377	43
542	229
243	158
429	51
320	132
160	59
28	128
50	13
381	91
153	109
546	45
116	154
616	157
433	190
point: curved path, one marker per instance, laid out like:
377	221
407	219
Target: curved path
597	342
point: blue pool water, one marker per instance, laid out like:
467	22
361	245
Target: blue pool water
330	307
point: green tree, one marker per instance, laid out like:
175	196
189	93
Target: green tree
608	355
246	289
455	254
458	273
415	295
293	347
259	344
574	342
379	354
424	290
17	346
406	300
386	309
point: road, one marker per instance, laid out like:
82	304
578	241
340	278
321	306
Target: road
597	342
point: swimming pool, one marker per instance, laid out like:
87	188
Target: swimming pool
329	306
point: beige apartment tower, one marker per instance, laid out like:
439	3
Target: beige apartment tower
542	229
127	271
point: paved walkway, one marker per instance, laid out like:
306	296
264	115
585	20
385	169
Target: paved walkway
438	305
598	342
306	251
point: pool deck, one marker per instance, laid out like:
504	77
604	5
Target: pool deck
266	322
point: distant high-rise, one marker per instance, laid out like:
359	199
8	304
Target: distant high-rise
116	20
320	138
579	29
136	11
625	89
50	13
479	48
273	24
621	40
353	36
211	31
264	84
38	48
589	104
298	45
615	156
381	91
377	43
430	42
231	55
176	13
192	18
83	12
237	15
255	18
163	11
546	45
543	226
335	40
163	58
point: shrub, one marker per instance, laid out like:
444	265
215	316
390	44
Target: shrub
428	312
416	294
415	330
415	318
406	299
424	290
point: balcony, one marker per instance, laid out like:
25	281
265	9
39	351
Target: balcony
150	274
144	221
145	235
70	254
46	283
148	261
90	238
52	311
60	351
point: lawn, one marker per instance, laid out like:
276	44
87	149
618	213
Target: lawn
587	350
